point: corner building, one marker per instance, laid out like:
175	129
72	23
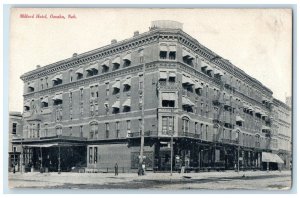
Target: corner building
90	110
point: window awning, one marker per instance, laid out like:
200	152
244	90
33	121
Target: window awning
263	114
127	57
127	82
204	65
257	110
45	100
168	96
198	85
271	157
57	77
172	48
209	68
163	48
265	128
92	67
187	102
162	75
127	103
187	54
172	74
57	97
218	72
79	71
239	119
31	84
116	85
117	60
27	104
42	145
116	104
187	80
250	108
105	63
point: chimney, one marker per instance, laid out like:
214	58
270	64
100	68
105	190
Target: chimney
38	66
75	54
136	33
113	41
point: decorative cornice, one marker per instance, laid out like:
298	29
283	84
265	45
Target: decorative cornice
139	41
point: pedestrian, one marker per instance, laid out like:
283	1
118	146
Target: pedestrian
116	169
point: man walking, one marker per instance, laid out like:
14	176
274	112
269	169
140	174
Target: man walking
116	169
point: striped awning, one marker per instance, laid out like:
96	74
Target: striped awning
271	157
168	96
117	60
187	54
187	102
127	57
116	85
105	63
92	67
163	48
198	85
127	103
116	104
27	104
45	100
57	77
79	71
57	97
31	84
162	75
172	74
127	82
239	119
172	48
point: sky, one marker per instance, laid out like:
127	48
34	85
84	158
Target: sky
259	41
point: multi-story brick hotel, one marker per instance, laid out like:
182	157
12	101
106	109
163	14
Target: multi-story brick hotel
91	110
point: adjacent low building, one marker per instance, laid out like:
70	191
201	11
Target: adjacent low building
91	110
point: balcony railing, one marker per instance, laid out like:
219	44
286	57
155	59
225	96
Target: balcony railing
146	134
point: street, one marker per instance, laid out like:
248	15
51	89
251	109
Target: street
229	180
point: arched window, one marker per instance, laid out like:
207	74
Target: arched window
93	130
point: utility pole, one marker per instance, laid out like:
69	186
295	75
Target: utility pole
172	133
140	169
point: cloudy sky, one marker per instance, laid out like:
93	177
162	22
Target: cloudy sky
259	41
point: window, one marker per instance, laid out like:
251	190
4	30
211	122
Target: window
59	130
196	127
42	84
128	123
81	131
71	113
172	55
14	128
93	130
163	55
167	124
81	93
201	131
141	81
95	155
107	88
38	130
140	125
56	82
79	76
71	131
91	72
107	130
91	155
206	132
168	103
70	98
185	125
46	80
117	129
46	130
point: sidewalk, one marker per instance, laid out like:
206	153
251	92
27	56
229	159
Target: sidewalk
204	180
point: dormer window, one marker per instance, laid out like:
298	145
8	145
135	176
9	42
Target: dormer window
91	71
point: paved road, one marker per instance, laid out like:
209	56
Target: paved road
249	180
